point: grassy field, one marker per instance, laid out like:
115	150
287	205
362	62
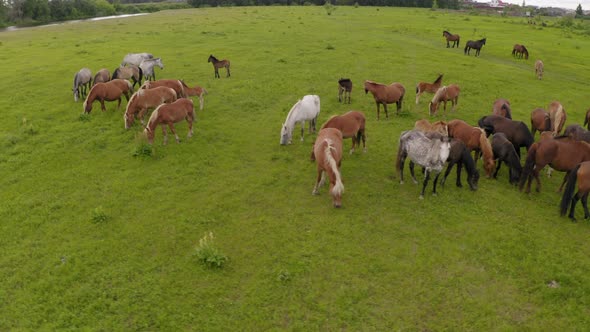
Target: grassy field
93	236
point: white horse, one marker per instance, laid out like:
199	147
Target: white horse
147	66
82	81
307	108
136	58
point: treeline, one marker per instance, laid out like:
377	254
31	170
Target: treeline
450	4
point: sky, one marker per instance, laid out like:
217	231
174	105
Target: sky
570	4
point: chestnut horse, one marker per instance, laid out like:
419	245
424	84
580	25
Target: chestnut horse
516	131
145	99
327	150
558	117
176	85
451	37
581	174
344	88
196	91
351	124
219	64
502	107
428	87
475	139
102	76
587	119
539	69
425	126
518	51
386	94
169	114
540	121
444	94
109	91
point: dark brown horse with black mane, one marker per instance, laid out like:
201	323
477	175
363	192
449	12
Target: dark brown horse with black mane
516	131
580	174
386	94
451	38
428	87
504	152
460	155
219	64
344	88
519	51
502	107
476	45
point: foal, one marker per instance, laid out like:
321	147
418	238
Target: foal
219	64
344	87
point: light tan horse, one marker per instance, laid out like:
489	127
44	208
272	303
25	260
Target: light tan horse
475	139
558	116
386	94
444	94
102	76
131	72
176	85
145	99
328	152
352	125
425	126
196	91
108	91
428	87
539	69
169	114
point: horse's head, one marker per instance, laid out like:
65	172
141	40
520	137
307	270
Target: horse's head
211	58
149	134
159	63
76	94
432	108
285	135
128	120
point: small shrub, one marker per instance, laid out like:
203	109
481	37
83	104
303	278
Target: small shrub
284	276
329	7
84	117
143	149
28	128
356	5
208	254
329	47
99	216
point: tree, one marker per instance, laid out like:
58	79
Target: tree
579	11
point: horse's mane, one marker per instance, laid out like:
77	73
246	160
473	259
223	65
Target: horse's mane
214	58
438	79
439	93
446	32
154	117
291	112
338	186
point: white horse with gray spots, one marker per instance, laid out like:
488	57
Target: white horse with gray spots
306	109
136	58
82	81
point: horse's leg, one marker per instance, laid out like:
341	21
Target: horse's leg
364	138
102	107
171	126
563	182
216	72
424	184
228	73
165	134
573	206
119	103
495	176
412	172
585	205
434	184
402	160
418	94
385	108
354	142
536	175
458	181
303	129
190	121
318	182
447	172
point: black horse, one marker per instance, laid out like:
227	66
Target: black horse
504	152
460	155
516	131
475	45
344	88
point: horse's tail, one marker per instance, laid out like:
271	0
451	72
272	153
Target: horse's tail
559	120
181	93
506	108
568	192
338	188
398	161
140	74
586	118
115	73
528	165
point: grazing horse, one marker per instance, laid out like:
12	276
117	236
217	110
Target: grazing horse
101	76
518	51
328	152
196	91
109	91
577	132
351	124
476	45
558	117
427	150
587	119
81	83
440	127
145	99
502	107
504	152
540	121
451	37
135	58
444	94
176	85
147	67
124	85
461	155
344	87
539	69
580	174
428	87
562	153
169	114
306	108
386	94
516	131
131	72
475	139
219	64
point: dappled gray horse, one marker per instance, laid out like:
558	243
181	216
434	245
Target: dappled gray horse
81	83
136	58
147	66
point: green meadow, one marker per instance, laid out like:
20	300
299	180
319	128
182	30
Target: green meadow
100	232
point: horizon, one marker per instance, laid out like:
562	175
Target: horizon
568	4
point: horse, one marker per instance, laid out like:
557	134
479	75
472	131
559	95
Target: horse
344	87
580	174
196	91
540	121
518	51
577	132
562	153
516	131
451	37
81	83
135	58
145	99
352	125
328	152
427	150
147	67
132	72
502	107
425	126
386	94
219	64
460	155
504	152
109	91
476	45
124	85
444	94
169	114
428	87
176	85
539	69
306	108
101	76
587	119
475	139
558	117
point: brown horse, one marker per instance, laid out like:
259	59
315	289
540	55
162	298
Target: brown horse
475	139
562	153
581	174
175	85
352	125
558	117
108	91
425	126
516	131
539	69
145	99
132	72
518	51
428	87
444	94
386	94
501	107
587	119
328	152
540	121
219	64
102	76
344	88
169	114
196	91
451	37
124	85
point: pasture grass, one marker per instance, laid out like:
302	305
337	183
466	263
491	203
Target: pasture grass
98	230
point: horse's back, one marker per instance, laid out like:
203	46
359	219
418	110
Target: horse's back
334	137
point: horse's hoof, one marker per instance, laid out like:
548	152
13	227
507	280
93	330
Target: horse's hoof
315	192
573	219
401	182
365	150
421	197
415	182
